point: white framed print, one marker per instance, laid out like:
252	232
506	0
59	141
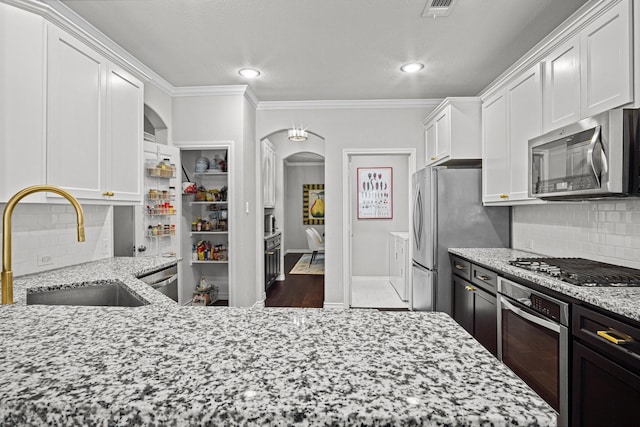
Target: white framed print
375	196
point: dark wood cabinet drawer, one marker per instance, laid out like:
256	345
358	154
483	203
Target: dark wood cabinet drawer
619	340
461	267
485	279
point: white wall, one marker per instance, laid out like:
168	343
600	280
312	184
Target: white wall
370	243
295	238
607	231
344	128
51	230
209	118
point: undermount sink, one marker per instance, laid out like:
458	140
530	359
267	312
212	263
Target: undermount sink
109	294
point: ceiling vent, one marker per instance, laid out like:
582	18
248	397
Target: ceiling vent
435	8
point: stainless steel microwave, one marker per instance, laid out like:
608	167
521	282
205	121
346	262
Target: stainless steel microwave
594	158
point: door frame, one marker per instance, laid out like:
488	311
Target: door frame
347	154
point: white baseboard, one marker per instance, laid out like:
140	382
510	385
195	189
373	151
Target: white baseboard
281	277
334	305
257	305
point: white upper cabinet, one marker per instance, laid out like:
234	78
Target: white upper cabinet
23	102
562	85
125	115
495	156
75	115
592	71
524	112
453	132
94	119
606	61
268	174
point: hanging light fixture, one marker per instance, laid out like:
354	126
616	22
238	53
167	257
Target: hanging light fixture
298	135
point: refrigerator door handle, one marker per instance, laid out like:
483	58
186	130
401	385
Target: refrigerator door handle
418	219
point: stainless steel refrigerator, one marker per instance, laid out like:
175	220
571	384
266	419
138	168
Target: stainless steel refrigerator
448	213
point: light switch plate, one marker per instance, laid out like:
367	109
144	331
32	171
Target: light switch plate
45	258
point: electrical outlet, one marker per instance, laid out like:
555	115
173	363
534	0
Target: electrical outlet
106	247
45	259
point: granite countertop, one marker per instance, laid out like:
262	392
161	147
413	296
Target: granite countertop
122	269
171	365
619	300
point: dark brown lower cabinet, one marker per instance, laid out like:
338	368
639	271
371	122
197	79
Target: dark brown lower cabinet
604	393
475	310
606	370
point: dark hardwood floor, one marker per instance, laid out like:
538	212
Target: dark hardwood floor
297	290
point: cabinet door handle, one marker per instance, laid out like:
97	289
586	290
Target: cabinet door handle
607	336
270	253
459	267
470	288
433	157
484	278
105	193
504	196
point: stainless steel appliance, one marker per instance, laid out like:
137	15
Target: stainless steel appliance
271	260
581	272
448	213
595	157
164	281
533	340
269	224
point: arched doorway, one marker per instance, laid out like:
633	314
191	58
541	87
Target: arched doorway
296	164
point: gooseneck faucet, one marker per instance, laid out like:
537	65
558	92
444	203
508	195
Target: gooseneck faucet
7	274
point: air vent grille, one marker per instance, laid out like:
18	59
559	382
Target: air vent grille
435	8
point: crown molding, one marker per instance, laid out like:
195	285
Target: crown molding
567	29
340	104
220	90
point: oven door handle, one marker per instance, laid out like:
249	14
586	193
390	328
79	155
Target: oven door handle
530	317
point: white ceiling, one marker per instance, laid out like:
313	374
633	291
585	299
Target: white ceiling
327	49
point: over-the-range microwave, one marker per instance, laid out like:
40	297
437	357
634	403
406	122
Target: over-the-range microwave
594	158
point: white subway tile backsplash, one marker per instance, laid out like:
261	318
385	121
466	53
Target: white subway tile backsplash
607	231
53	228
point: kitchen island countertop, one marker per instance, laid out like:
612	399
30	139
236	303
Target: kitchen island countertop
624	301
171	365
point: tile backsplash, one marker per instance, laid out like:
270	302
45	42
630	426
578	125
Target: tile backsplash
47	232
607	231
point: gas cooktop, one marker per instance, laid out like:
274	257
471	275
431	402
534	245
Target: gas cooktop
581	272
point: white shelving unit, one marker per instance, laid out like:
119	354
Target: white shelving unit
212	238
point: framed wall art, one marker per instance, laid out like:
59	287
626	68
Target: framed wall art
313	204
375	197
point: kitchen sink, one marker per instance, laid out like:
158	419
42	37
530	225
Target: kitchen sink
107	294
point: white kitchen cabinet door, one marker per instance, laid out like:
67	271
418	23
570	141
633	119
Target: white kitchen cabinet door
495	147
443	133
430	134
562	85
75	115
268	174
524	97
23	99
606	61
452	131
124	164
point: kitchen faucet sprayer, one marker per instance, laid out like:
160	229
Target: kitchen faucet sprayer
7	274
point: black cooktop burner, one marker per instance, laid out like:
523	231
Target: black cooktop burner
581	272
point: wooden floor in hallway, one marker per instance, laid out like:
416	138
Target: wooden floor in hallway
297	290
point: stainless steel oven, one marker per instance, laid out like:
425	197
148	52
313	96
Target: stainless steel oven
533	340
164	281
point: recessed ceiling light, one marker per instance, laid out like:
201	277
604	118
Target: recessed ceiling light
249	72
412	67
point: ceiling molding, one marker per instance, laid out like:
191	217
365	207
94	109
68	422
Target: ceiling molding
569	28
344	104
60	15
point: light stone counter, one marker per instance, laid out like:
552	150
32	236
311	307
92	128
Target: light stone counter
624	301
163	364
